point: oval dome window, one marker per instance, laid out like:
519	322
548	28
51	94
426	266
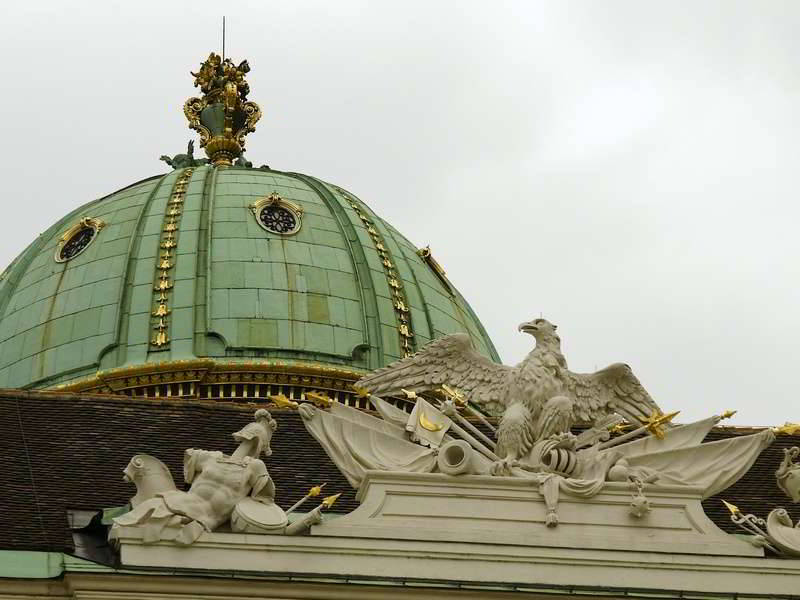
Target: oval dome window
77	238
277	215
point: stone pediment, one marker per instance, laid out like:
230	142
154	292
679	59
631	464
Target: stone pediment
437	527
481	509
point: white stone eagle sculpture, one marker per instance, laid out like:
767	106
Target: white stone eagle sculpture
519	393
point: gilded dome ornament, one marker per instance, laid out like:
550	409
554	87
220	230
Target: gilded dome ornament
77	238
222	116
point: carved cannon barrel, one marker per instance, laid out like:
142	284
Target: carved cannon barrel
459	458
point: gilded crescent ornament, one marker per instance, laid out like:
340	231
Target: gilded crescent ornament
427	424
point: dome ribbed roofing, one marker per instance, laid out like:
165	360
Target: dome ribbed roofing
236	291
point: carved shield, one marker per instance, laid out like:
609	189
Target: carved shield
252	516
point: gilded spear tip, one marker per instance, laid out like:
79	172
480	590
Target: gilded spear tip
731	507
454	395
668	417
654	422
619	427
282	401
788	428
328	501
320	400
316	490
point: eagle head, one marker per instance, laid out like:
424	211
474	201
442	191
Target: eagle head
540	329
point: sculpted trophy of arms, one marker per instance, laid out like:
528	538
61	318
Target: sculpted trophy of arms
538	398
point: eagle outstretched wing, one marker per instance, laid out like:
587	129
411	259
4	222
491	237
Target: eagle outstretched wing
448	360
614	389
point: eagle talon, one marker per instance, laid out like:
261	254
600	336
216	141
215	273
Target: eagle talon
502	468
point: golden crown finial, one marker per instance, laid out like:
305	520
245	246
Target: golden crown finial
222	116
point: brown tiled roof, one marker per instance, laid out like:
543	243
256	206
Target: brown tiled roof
65	451
757	492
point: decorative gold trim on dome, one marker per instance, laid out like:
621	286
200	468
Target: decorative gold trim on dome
166	261
427	257
211	380
399	301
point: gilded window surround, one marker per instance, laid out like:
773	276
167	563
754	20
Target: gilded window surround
275	199
95	224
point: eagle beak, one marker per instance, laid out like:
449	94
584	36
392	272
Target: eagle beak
527	327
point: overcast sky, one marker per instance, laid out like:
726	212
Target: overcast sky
627	169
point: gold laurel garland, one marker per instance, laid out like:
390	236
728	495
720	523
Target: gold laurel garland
166	261
399	301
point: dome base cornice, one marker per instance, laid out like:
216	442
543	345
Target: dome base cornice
209	379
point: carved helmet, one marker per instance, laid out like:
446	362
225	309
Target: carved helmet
261	429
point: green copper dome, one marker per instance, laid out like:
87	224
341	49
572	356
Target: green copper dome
178	268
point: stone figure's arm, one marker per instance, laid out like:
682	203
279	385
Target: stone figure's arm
263	488
193	461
